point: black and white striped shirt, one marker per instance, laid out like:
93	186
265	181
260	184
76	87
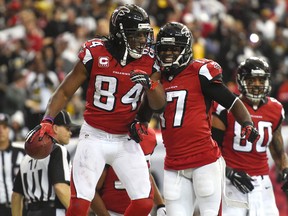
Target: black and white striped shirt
10	160
36	177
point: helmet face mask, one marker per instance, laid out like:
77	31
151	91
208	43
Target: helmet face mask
169	54
130	26
138	39
173	46
253	78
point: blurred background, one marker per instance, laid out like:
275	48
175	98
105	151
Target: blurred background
40	40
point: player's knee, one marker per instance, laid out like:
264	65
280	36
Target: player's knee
78	207
139	207
143	205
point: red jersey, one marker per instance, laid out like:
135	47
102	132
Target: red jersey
186	121
112	99
113	192
241	154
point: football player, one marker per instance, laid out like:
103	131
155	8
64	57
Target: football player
247	163
118	70
193	163
112	193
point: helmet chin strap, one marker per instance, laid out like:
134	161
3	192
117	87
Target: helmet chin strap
128	50
124	59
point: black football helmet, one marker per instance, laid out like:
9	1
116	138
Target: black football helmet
173	36
254	67
128	24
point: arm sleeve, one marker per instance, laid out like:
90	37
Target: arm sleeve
217	91
144	113
218	135
17	187
59	169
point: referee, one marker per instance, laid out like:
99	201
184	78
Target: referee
10	159
45	183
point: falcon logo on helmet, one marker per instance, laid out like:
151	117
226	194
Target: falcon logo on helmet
120	12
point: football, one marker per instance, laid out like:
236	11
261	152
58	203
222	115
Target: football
36	148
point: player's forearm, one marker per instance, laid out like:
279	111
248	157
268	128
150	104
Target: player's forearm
240	112
66	90
158	199
56	103
284	161
157	98
144	113
17	204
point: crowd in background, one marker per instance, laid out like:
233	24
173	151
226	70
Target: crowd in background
40	40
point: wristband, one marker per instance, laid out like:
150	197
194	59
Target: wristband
154	84
48	118
247	123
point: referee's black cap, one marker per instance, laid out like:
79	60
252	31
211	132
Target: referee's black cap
63	119
4	119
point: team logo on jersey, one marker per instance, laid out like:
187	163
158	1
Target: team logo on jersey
103	61
216	65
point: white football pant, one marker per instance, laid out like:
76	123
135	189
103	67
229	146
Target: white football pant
261	200
202	185
97	148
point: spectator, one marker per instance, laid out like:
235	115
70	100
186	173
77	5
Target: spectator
41	83
34	35
86	20
16	94
69	46
280	92
266	25
18	126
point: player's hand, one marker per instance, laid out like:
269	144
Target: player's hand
46	127
141	77
161	211
241	180
285	178
249	132
137	130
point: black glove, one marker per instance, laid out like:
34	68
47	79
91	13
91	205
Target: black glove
137	130
240	179
285	178
249	132
141	77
